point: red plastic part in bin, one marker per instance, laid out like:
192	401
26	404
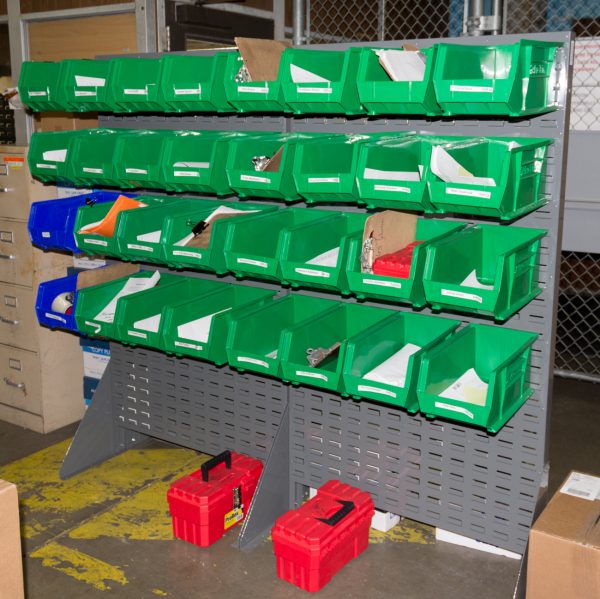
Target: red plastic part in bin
315	541
210	501
397	264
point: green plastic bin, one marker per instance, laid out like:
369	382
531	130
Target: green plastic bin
91	301
138	158
383	362
380	94
513	79
92	158
135	84
334	92
50	154
392	173
338	325
395	289
40	88
92	243
253	246
194	83
195	161
305	255
139	317
85	85
485	269
177	227
139	233
254	96
513	172
278	184
325	169
262	353
500	358
199	327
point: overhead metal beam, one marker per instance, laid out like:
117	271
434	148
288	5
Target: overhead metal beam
78	13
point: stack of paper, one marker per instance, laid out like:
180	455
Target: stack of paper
473	281
152	237
133	285
451	171
393	370
300	75
469	388
402	65
373	173
150	324
199	329
328	258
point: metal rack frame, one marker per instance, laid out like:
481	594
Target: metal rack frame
439	472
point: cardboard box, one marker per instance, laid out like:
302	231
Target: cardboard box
11	564
64	121
564	543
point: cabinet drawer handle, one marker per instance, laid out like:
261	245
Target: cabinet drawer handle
8	320
10	383
7	257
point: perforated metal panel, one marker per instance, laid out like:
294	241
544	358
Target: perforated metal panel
195	404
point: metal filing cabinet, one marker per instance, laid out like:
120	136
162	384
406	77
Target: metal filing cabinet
40	370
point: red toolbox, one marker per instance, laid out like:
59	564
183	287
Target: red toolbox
397	264
208	502
315	541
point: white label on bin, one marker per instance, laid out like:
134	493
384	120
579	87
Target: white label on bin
323	179
46	234
378	283
254	179
136	171
253	90
80	93
135	92
368	389
314	90
35	94
56	317
473	193
309	272
143	248
97	327
311	375
87	169
472	89
186	174
461	295
187	254
252	262
137	334
391	188
252	361
446	406
42	165
583	486
95	241
189	345
188	91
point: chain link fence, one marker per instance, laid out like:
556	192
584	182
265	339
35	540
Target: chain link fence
578	330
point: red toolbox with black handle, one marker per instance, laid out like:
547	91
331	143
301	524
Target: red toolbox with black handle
211	500
315	541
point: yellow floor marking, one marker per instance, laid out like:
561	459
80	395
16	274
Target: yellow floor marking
142	517
80	566
406	531
159	592
47	501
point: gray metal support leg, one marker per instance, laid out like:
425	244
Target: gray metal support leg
271	498
98	436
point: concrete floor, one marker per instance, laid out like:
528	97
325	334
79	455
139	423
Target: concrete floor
106	532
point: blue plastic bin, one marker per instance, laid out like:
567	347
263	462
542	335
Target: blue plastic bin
51	222
47	292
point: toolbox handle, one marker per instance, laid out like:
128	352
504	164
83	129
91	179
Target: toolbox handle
347	507
212	463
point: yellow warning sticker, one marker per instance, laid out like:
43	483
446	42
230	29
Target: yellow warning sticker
233	517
